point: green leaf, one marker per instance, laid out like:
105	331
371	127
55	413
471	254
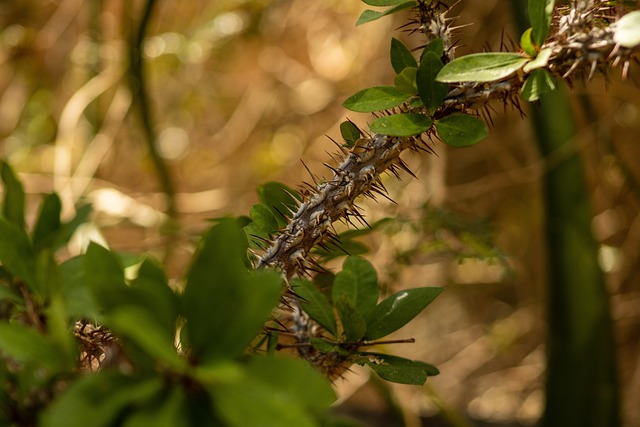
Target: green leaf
435	46
381	3
279	198
481	67
461	130
48	222
401	56
540	13
100	399
537	84
16	253
264	219
169	409
526	43
7	294
79	299
68	229
26	345
431	92
627	30
398	369
359	281
406	80
224	304
397	310
353	322
540	61
104	275
317	305
407	124
371	15
13	203
375	99
350	132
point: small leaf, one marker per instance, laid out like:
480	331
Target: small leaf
540	13
317	305
264	219
13	203
350	132
537	84
353	323
397	310
371	15
398	369
431	92
435	46
375	99
627	30
381	3
407	124
359	281
48	222
526	43
481	67
401	56
16	254
406	80
540	61
461	130
279	198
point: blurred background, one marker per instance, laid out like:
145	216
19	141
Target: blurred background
240	91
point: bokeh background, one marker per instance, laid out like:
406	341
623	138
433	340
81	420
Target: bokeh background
242	90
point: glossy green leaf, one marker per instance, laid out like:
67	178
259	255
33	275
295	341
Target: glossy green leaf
13	203
264	219
461	130
435	46
358	280
376	99
16	254
281	199
350	133
407	124
48	222
406	80
481	67
100	400
25	345
372	15
431	92
540	61
540	13
400	370
627	30
353	323
526	43
397	310
537	84
401	56
315	304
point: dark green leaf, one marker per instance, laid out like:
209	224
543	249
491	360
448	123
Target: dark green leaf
406	80
317	305
407	124
7	294
104	275
401	56
48	222
627	30
13	203
481	67
350	132
540	13
16	253
526	43
435	46
281	199
264	219
371	15
346	246
68	229
169	409
79	299
537	84
397	310
359	281
461	130
431	92
26	345
353	323
398	369
376	99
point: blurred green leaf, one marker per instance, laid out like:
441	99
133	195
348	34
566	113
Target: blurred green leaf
381	3
431	92
359	281
371	15
26	345
401	56
398	369
627	30
13	203
68	229
407	124
350	132
481	67
48	222
16	253
375	99
169	409
352	321
537	84
264	219
461	130
79	300
104	275
317	305
540	13
7	294
406	80
397	310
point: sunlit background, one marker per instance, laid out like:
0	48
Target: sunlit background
242	91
